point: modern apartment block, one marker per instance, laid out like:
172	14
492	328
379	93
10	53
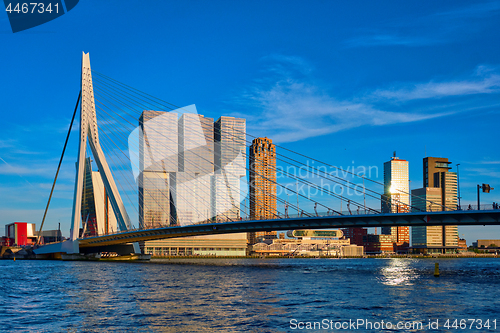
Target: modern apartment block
439	193
262	165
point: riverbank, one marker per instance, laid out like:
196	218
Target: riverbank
410	256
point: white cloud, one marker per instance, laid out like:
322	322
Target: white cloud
9	143
484	172
33	170
482	85
289	106
294	111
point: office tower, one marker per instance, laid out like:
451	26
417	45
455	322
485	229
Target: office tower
396	186
98	217
447	182
196	167
199	191
158	164
433	165
427	199
230	162
396	198
262	163
439	193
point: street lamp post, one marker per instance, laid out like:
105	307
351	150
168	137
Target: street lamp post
486	189
364	193
478	201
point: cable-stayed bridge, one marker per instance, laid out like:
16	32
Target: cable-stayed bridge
165	171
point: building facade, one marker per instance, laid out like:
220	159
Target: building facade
310	243
224	245
262	176
355	235
20	233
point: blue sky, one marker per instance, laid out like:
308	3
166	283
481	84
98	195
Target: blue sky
339	81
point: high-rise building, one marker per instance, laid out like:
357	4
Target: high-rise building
262	163
196	167
433	165
439	193
191	169
396	199
98	217
158	164
396	186
427	199
230	167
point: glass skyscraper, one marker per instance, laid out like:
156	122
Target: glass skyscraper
396	198
196	167
230	167
158	164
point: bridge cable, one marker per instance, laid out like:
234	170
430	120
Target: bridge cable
58	168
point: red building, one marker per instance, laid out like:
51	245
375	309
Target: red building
397	241
20	233
355	235
6	241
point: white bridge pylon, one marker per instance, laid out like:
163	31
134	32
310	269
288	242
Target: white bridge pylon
88	130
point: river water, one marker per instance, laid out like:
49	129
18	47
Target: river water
250	295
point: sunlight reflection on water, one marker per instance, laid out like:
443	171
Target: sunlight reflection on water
398	272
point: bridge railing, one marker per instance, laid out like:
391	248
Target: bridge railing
319	214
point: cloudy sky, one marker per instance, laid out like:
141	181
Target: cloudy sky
347	82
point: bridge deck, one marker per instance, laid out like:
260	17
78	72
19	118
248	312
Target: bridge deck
483	217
